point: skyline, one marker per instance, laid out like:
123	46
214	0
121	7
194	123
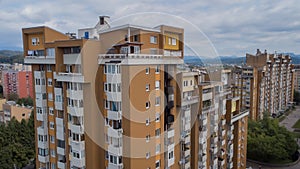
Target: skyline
234	28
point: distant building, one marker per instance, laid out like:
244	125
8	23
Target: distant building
297	78
17	81
265	84
11	109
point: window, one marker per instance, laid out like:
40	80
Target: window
157	101
169	41
157	84
35	41
135	38
50	96
147	155
147	87
52	139
53	166
147	121
157	117
126	38
174	41
147	138
185	83
51	124
171	155
157	70
147	105
157	164
147	70
153	39
51	111
157	132
106	104
157	149
49	68
49	82
52	152
191	82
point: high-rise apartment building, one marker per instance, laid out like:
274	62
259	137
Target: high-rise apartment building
297	77
116	99
17	82
265	84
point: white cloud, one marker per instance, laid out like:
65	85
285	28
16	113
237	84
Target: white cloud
234	27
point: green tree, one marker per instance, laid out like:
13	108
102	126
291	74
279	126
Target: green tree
17	143
13	97
269	142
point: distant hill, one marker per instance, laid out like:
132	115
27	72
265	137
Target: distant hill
194	60
222	60
10	56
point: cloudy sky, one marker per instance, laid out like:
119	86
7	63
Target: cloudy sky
215	27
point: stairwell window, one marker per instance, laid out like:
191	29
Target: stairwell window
147	155
157	70
147	105
147	87
147	121
147	70
153	39
35	41
157	85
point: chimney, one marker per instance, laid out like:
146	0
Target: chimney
258	52
103	20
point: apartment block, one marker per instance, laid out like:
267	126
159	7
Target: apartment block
17	82
11	109
297	77
118	97
264	84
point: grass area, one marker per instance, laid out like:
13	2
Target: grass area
281	162
297	124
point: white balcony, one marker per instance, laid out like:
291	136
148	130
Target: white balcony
43	159
223	121
43	144
77	162
113	78
59	105
114	115
61	165
75	94
171	133
223	133
71	59
187	126
214	150
214	140
115	150
41	102
114	96
230	165
42	130
60	128
171	146
223	142
203	146
115	166
117	133
79	129
187	153
40	88
75	111
39	60
60	151
206	96
187	139
77	145
39	74
41	117
173	53
69	77
190	100
203	122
